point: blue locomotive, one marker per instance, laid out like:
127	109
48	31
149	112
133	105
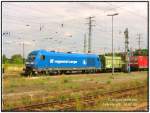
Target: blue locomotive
51	62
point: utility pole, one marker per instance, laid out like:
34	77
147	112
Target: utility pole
139	41
105	50
85	42
41	27
90	32
131	51
23	52
127	51
22	44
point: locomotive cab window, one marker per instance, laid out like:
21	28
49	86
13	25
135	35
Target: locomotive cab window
31	57
42	57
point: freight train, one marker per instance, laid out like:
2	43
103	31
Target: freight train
51	62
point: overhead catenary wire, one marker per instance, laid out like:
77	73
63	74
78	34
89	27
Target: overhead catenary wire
44	34
123	7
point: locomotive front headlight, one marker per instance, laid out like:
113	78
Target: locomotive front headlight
31	62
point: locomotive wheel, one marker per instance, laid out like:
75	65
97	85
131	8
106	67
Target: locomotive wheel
32	73
43	72
46	73
28	73
61	72
83	71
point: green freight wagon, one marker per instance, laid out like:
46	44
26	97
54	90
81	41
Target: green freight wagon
107	63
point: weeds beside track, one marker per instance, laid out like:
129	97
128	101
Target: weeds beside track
69	104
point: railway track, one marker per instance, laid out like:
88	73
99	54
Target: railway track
142	106
69	104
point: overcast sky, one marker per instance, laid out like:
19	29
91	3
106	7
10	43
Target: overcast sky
61	26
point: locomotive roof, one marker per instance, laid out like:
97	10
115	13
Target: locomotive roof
61	53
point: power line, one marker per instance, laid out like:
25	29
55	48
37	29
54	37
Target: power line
123	7
35	17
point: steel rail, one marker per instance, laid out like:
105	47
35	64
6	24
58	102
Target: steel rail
69	100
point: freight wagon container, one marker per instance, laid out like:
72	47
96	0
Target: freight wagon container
138	62
107	62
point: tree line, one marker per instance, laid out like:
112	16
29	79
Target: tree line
138	52
15	59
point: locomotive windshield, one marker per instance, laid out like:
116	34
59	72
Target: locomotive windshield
31	57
